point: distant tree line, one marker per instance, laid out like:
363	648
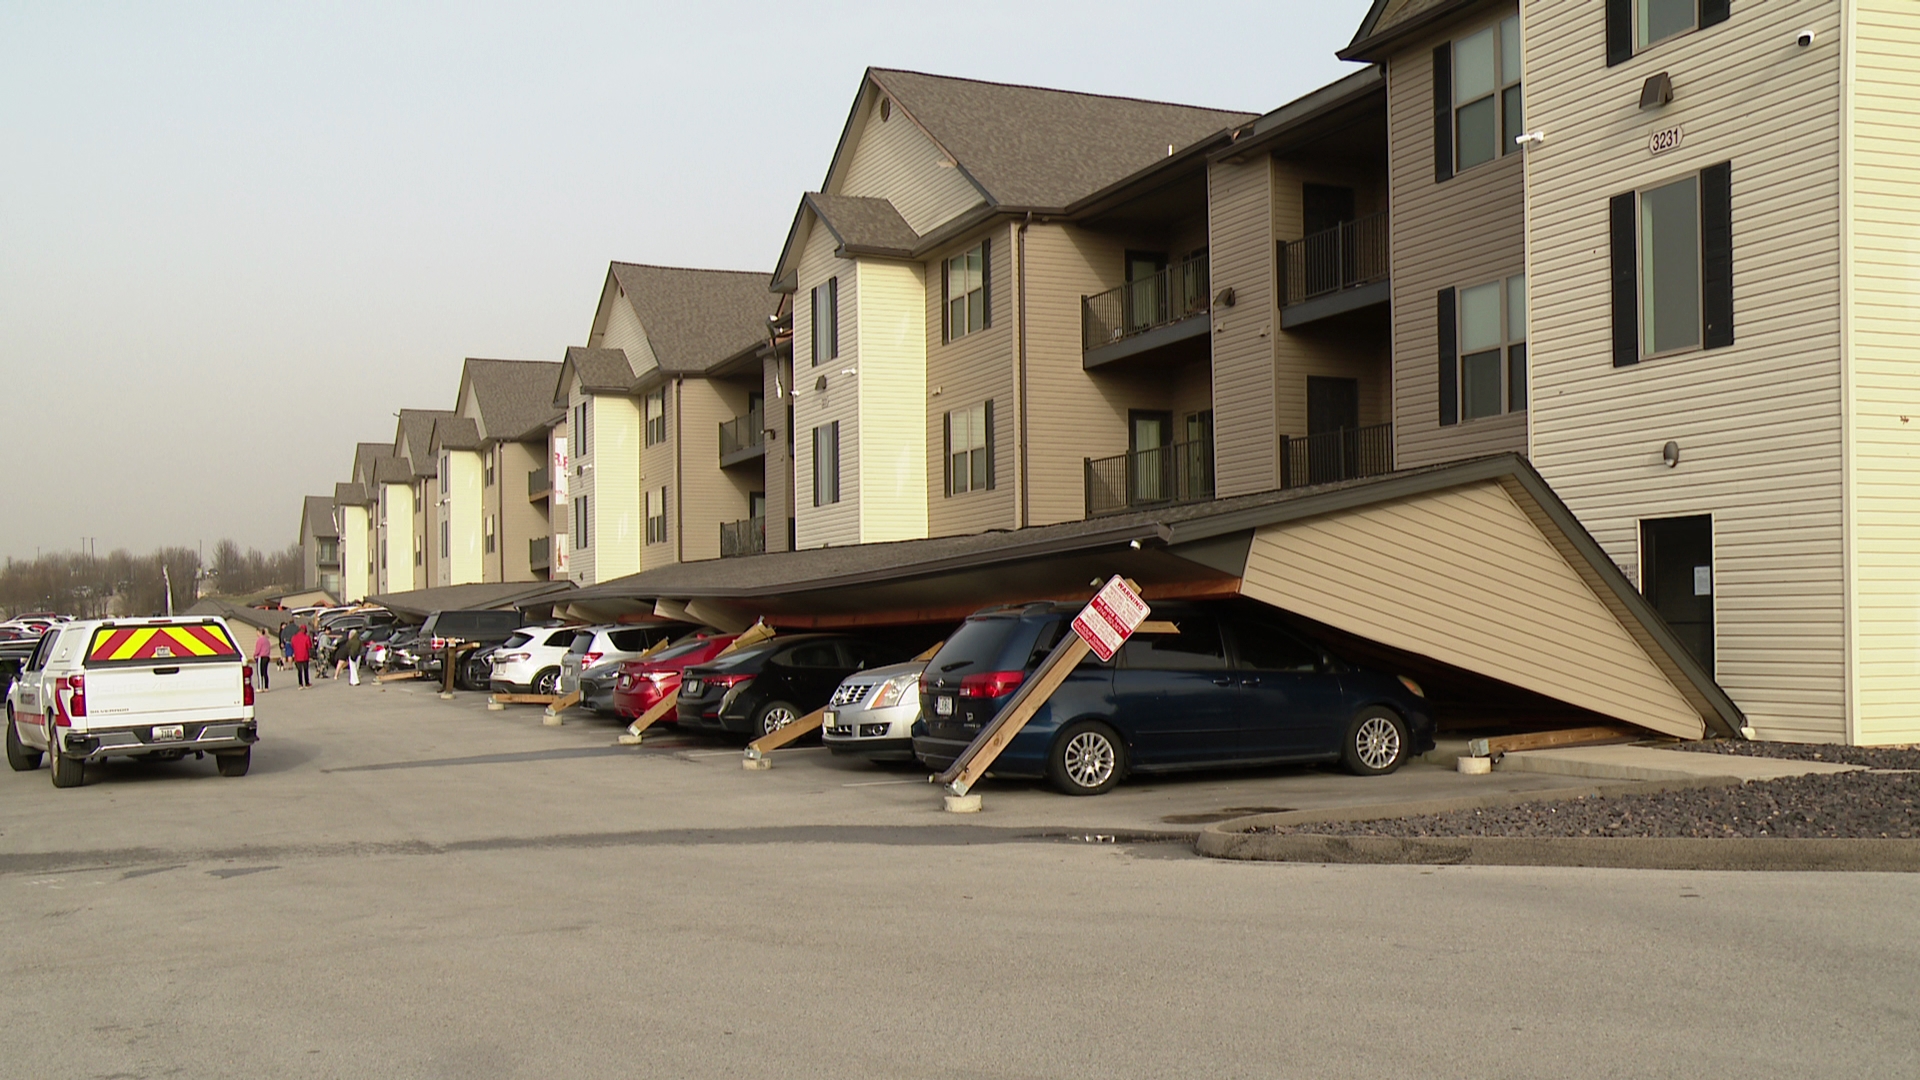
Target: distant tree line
121	583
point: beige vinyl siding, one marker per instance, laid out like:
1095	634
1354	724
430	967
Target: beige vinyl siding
624	332
462	566
836	523
491	568
895	160
1466	231
617	526
1885	376
777	378
708	495
892	382
428	524
580	478
1072	414
521	519
965	372
1758	423
1245	447
1464	577
399	574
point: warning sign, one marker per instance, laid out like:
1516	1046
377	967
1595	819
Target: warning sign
1111	617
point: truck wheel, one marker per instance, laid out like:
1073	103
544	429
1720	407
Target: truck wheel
19	756
234	764
67	772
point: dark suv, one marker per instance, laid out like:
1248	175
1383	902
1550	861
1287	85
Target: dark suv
1235	686
769	685
488	627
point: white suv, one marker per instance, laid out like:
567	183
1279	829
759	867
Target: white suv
159	688
528	662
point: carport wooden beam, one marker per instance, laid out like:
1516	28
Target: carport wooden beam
980	754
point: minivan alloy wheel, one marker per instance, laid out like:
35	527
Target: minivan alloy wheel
1378	742
1089	759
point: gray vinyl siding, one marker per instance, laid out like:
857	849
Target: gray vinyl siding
895	160
777	379
1467	231
708	495
1758	423
521	519
1245	447
837	524
962	373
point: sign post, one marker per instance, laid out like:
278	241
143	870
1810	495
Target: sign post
1104	625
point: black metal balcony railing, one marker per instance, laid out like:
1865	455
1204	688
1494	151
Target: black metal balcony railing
1178	293
1344	257
540	553
743	432
748	536
1180	473
539	484
1347	454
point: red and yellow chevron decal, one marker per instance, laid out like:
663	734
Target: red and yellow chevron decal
182	642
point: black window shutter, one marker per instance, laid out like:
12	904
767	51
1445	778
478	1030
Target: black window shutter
1449	360
986	283
947	457
1443	113
1716	254
1619	31
1626	280
833	304
946	294
1714	11
836	461
989	445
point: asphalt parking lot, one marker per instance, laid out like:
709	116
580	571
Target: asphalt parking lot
406	886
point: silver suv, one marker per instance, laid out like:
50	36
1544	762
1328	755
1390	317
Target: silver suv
872	713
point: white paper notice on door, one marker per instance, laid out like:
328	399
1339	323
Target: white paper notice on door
1703	581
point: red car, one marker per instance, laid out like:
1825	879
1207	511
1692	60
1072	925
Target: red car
642	683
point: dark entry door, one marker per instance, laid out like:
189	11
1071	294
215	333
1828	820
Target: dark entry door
1327	255
1146	289
1333	412
1676	576
1150	442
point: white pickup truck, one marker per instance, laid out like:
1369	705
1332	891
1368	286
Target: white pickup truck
159	688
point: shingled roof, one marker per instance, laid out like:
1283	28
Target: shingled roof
316	517
349	495
391	470
696	318
416	439
1388	21
456	433
600	371
365	455
1028	147
515	397
863	225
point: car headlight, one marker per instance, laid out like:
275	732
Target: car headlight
893	690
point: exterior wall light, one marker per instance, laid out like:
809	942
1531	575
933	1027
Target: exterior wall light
1670	454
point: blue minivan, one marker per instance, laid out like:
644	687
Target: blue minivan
1236	685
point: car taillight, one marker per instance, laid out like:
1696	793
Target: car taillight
726	682
514	658
991	684
658	677
438	644
77	704
590	659
246	686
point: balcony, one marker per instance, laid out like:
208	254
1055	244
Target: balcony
539	485
540	553
1335	271
1149	315
748	536
1139	479
1347	454
743	439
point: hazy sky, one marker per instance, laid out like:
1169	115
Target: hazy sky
235	238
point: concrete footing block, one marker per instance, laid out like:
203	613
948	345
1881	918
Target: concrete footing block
552	719
963	804
756	764
1474	766
446	697
630	739
494	706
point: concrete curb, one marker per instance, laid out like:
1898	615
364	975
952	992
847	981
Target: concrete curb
1417	807
1735	853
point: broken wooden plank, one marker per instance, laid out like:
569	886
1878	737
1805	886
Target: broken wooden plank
652	716
524	699
396	676
564	702
1542	740
781	736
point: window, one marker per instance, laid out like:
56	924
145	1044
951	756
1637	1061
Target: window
970	449
581	519
1266	646
1481	77
656	406
492	543
1672	253
826	321
1483	350
967	278
583	427
1196	647
492	455
657	516
446	539
444	470
1633	25
826	464
419	555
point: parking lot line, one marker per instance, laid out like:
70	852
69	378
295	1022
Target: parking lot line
736	753
882	783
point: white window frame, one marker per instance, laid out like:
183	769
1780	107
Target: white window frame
1646	281
1513	335
966	298
969	450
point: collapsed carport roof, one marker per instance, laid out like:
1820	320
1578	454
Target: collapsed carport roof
419	603
1476	564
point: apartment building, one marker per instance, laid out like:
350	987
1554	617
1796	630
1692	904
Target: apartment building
319	546
665	429
350	520
510	405
413	448
944	259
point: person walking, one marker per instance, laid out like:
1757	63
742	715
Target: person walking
343	654
302	649
353	659
286	643
263	655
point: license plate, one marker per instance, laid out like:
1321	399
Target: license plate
692	687
828	719
169	733
943	706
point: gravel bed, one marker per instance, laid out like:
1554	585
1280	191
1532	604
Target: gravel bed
1873	757
1855	804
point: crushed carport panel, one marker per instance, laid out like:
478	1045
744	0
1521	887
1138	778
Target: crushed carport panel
1477	566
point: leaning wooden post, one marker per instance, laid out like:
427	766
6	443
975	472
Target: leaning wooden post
752	635
757	750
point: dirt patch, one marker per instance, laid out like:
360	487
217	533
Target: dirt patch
1837	805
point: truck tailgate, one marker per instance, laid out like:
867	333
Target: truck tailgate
181	692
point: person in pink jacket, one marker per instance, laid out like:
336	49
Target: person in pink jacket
262	655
